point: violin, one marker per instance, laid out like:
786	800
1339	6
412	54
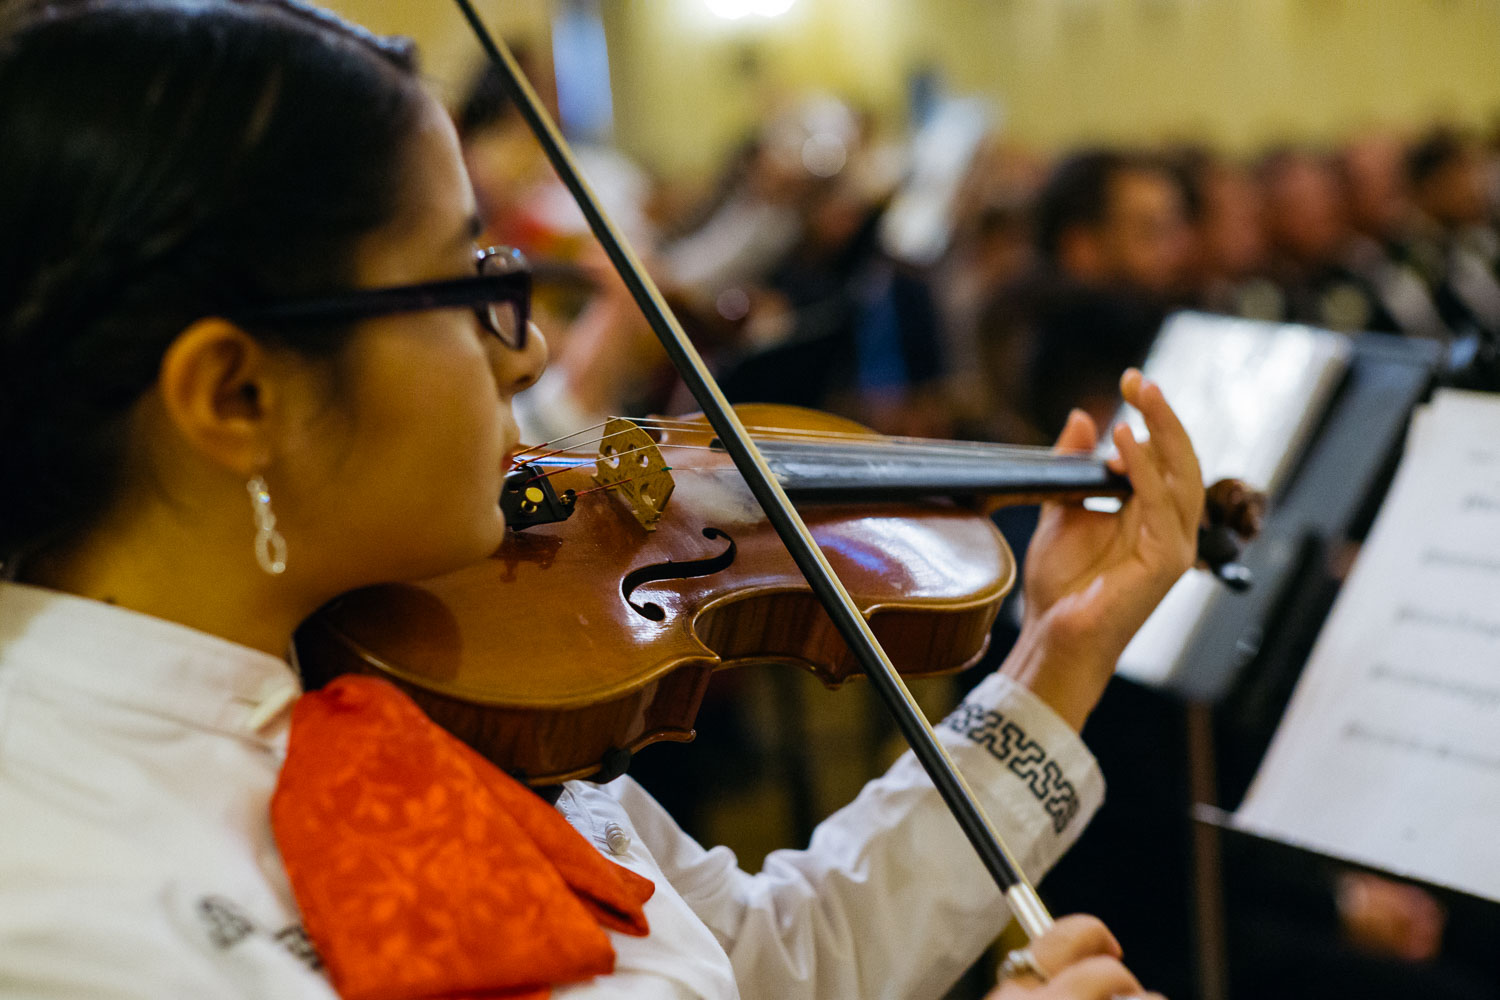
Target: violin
633	573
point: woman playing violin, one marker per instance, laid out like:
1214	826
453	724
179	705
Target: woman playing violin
251	360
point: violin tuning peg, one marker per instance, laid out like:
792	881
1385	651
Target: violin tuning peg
1235	575
1219	551
1233	503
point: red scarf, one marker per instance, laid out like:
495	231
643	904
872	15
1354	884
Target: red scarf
422	870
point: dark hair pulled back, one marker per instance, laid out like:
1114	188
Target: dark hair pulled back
165	161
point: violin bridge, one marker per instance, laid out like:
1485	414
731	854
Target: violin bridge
631	465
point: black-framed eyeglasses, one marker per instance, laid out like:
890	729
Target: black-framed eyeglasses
500	296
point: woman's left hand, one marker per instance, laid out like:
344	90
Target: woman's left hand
1093	578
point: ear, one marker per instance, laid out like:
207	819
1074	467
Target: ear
218	389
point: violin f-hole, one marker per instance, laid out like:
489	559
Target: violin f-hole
673	570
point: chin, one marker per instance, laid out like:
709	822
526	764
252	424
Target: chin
446	555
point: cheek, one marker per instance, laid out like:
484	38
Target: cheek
415	483
449	435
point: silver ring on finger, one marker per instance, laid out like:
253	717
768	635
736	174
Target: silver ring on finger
1020	962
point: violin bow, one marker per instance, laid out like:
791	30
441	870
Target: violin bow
1024	902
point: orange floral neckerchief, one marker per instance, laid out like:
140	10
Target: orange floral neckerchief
422	870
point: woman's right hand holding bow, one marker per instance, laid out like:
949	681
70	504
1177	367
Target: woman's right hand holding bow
1077	959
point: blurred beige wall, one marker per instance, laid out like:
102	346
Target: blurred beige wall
1236	73
450	55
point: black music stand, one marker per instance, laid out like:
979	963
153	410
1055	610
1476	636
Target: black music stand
1239	669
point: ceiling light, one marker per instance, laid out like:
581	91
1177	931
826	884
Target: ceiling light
733	10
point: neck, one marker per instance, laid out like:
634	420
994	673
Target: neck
212	586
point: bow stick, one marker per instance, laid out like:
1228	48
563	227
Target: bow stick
1019	893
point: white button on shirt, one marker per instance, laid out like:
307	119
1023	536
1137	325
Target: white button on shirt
616	840
137	761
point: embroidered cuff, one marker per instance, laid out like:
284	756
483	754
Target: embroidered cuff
1019	731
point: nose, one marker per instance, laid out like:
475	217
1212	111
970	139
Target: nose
517	370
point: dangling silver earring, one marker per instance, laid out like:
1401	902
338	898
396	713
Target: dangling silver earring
270	547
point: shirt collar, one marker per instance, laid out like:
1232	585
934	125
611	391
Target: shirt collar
147	664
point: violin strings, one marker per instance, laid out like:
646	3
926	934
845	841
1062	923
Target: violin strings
622	454
909	444
610	486
824	443
844	445
557	441
789	433
556	471
544	455
797	434
779	434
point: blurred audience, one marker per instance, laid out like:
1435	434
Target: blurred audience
989	248
1110	240
789	250
1054	276
1309	229
1372	167
1227	264
1450	238
1110	218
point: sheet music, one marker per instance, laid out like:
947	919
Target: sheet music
1249	394
1389	753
